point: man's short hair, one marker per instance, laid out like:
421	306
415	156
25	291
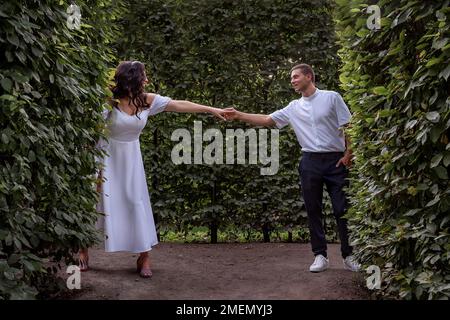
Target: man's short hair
305	69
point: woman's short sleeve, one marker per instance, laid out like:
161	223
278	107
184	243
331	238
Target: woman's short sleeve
159	104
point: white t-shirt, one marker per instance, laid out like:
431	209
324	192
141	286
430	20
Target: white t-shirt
316	120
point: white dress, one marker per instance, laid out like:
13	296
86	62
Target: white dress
128	222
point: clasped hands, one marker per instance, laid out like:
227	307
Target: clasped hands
226	114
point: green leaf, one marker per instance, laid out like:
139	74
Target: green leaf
380	91
31	156
18	77
439	43
412	212
386	113
9	56
9	275
436	160
36	94
3	234
17	243
446	161
435	133
445	73
441	16
434	61
6	84
433	116
28	266
13	259
38	53
21	56
419	292
5	138
441	172
435	259
13	39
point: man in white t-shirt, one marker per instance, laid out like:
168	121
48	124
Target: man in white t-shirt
318	119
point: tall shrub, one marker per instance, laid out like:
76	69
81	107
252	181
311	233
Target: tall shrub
396	82
226	53
52	91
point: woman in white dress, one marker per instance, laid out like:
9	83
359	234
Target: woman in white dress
128	218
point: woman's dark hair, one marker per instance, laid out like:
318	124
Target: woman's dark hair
129	83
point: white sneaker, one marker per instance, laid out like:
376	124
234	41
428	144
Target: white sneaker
351	264
320	264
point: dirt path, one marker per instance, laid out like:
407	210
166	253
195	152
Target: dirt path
221	271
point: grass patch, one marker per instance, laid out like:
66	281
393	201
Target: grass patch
230	235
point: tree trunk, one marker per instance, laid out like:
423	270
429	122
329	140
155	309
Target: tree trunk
266	232
266	229
213	225
213	230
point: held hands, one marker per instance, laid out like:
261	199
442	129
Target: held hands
225	114
219	113
231	114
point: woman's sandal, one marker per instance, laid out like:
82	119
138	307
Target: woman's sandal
143	272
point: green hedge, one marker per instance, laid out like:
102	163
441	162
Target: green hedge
52	91
396	82
226	53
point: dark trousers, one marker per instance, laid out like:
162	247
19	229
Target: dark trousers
317	170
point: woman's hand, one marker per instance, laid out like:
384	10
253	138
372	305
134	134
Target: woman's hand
219	113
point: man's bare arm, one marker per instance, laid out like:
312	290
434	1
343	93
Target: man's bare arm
251	118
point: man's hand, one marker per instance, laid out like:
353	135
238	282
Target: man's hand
251	118
346	160
231	114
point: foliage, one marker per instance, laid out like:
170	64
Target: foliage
224	53
52	91
230	234
396	82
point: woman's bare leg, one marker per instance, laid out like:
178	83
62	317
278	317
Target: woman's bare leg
83	259
144	265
